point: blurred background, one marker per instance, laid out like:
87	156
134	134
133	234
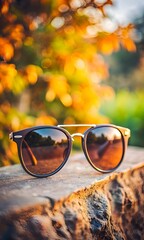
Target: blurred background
78	61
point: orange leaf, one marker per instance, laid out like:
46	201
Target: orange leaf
128	44
6	49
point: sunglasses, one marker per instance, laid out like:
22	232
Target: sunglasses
44	150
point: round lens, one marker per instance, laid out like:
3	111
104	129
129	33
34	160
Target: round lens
44	150
105	147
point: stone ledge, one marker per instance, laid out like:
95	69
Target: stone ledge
77	203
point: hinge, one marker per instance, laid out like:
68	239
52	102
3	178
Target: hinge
127	133
11	136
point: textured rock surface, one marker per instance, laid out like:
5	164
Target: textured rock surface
77	203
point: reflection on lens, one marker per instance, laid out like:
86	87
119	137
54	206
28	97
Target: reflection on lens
105	147
44	150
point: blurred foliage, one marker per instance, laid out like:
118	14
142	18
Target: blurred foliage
127	68
127	79
127	109
51	64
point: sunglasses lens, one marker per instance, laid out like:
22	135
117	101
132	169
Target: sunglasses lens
45	150
105	147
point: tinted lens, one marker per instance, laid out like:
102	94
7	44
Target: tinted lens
105	147
44	150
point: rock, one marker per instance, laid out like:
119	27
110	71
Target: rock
76	203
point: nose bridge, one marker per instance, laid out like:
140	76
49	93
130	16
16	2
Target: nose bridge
77	134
